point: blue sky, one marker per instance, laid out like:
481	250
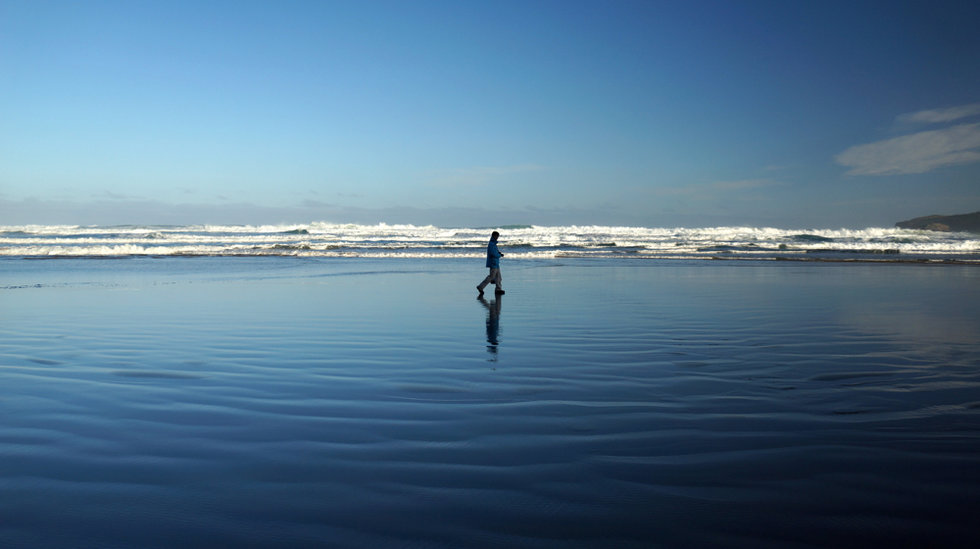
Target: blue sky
783	113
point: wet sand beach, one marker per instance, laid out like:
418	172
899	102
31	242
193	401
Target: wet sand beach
328	402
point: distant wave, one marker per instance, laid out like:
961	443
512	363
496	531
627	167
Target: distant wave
518	241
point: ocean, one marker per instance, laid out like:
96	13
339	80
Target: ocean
526	242
345	386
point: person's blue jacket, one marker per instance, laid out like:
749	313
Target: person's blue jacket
493	255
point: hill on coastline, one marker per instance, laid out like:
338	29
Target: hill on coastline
963	222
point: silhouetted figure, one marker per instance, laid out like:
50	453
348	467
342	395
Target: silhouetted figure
493	324
493	262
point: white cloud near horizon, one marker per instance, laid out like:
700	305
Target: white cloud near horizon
916	153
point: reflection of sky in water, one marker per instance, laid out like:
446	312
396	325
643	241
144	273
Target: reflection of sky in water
930	312
924	331
275	397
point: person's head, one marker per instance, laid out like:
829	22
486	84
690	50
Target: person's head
494	235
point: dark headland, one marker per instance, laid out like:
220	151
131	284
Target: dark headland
963	222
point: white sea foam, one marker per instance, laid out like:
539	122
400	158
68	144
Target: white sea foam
382	240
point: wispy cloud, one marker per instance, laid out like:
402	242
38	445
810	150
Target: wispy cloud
916	153
143	212
922	151
481	175
938	116
311	203
717	187
110	195
743	184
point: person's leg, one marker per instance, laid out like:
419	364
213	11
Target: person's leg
486	281
498	280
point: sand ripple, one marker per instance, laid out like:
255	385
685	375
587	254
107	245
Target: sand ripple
615	407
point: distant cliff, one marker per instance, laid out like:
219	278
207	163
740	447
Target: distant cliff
963	222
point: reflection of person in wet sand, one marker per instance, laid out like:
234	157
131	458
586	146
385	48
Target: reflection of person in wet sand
493	323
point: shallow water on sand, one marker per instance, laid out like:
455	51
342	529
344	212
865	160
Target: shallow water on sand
377	403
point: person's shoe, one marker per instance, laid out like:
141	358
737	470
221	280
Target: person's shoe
479	289
498	291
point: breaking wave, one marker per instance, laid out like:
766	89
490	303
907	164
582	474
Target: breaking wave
519	241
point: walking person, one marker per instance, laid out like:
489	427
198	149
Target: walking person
493	262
